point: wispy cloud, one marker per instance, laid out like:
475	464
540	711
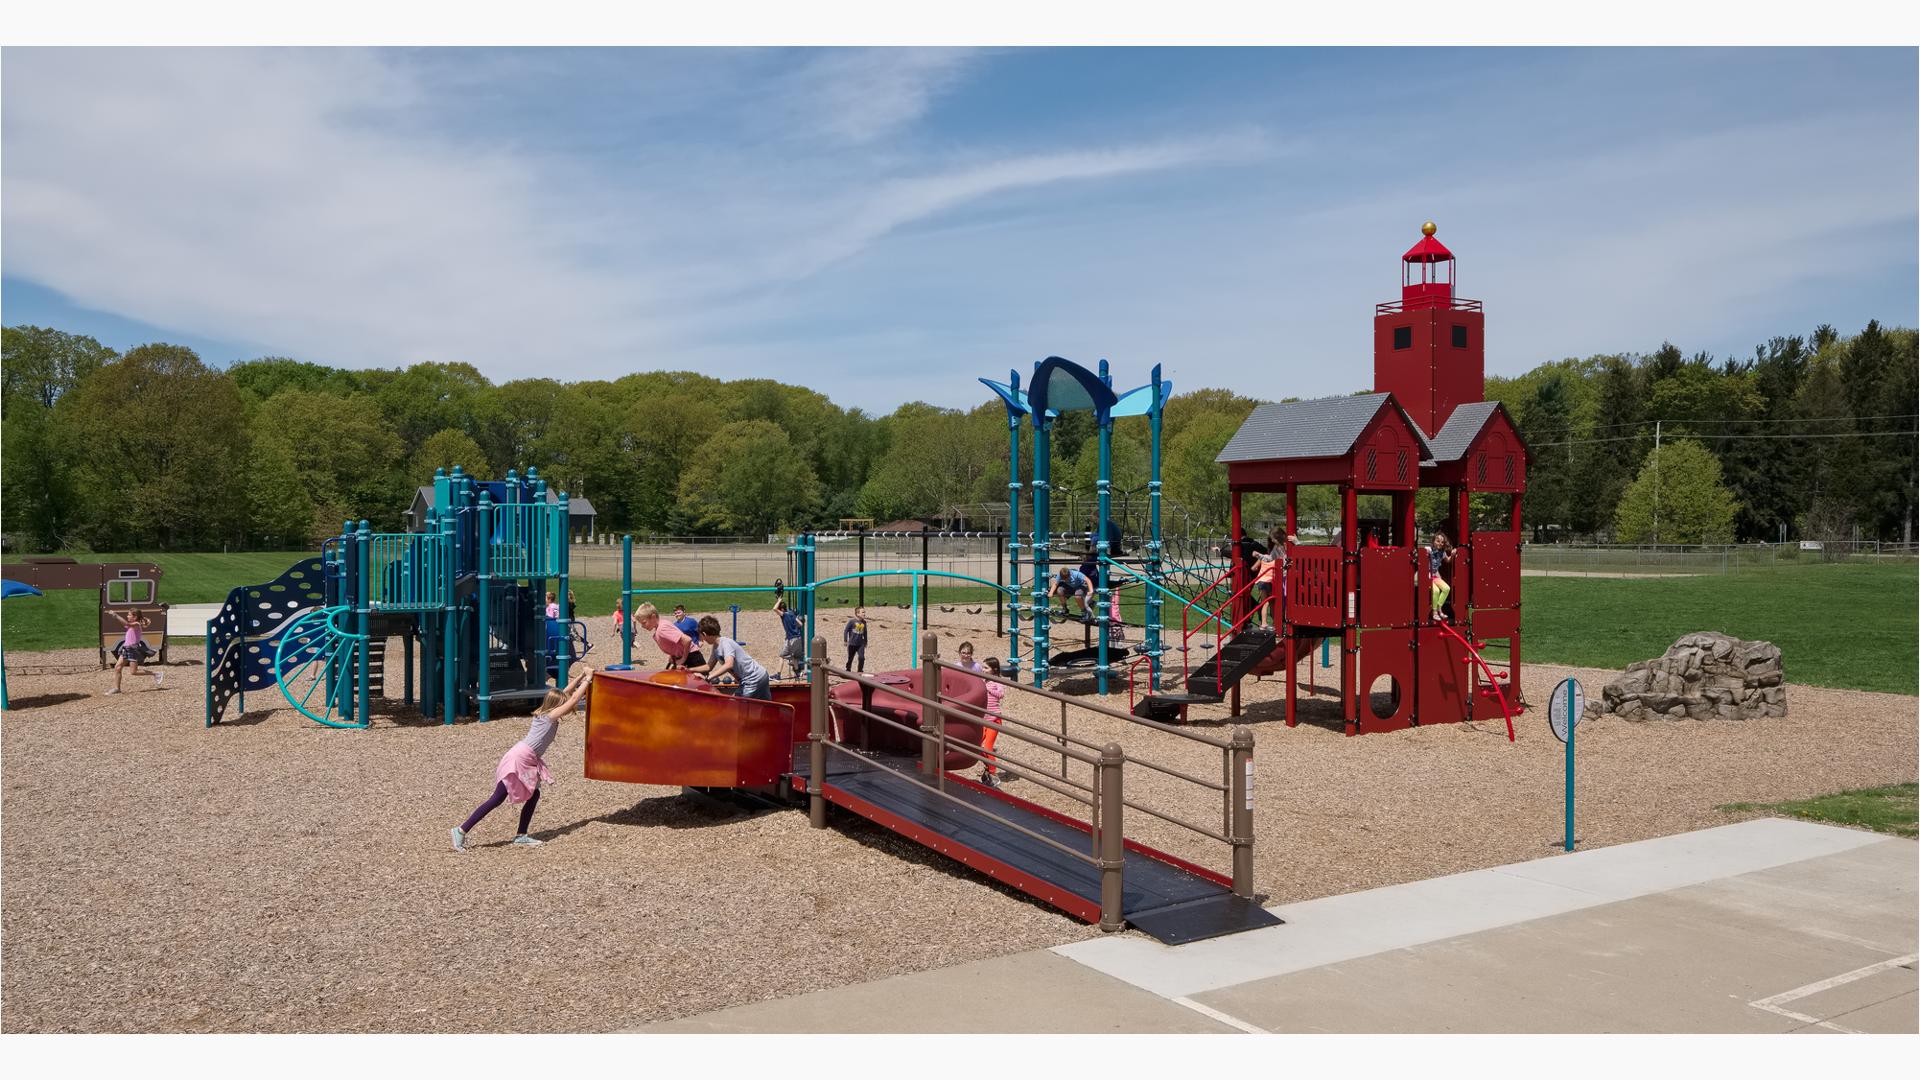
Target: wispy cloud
862	95
316	202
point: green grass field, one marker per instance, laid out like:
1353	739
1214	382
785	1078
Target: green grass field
1846	625
1883	809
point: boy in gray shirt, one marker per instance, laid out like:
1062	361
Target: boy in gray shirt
729	656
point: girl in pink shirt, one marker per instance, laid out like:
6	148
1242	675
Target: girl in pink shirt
990	733
132	649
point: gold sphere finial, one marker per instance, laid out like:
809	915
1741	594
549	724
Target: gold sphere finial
1429	229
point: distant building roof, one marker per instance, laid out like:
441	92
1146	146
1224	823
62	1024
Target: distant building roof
1460	429
1321	428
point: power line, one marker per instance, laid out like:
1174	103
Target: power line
1807	435
1757	420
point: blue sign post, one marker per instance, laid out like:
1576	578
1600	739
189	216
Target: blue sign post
1563	715
735	610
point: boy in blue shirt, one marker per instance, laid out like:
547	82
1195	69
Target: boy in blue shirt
1073	583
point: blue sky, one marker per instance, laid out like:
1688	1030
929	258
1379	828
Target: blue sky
885	225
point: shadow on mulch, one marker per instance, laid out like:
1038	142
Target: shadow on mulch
249	719
42	700
663	811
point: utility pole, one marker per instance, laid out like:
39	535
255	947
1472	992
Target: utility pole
1656	483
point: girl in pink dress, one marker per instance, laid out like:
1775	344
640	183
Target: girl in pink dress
132	650
523	768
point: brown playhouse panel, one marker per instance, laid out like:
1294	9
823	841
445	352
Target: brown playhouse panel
1386	652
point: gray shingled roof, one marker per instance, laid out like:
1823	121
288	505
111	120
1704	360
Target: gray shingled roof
1460	430
1321	428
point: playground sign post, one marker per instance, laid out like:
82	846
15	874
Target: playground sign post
1563	715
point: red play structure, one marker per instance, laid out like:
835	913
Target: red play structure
1368	587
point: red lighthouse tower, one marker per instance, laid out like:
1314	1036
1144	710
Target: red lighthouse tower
1429	347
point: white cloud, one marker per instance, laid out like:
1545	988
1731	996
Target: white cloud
319	203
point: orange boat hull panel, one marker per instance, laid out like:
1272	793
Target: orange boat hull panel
646	729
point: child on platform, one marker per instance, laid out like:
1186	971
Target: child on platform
553	605
677	646
729	657
523	768
686	623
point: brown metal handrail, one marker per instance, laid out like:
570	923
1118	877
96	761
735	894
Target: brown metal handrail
967	748
970	709
1023	830
944	706
1107	829
1240	747
1218	744
1208	833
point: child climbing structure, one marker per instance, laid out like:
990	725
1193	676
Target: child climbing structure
465	595
1368	587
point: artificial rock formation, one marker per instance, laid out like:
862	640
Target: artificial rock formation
1705	676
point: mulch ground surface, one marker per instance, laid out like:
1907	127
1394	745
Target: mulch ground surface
272	875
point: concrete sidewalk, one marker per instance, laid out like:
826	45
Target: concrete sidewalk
1764	926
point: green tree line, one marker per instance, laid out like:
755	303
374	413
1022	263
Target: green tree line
154	449
1812	437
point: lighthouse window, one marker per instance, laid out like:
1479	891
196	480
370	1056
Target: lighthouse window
1459	337
1403	337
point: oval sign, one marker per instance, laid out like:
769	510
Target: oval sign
1564	708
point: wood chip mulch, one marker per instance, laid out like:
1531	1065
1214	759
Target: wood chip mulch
272	875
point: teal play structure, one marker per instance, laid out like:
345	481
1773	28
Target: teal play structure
1058	386
465	595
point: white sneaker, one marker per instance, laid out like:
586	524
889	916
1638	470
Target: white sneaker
459	839
527	841
115	690
159	678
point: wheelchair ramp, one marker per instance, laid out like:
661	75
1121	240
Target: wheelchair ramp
1163	896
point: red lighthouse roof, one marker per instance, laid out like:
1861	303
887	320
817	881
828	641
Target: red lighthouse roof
1428	249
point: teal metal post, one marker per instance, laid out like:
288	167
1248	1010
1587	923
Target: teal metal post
563	524
1571	726
1013	536
1104	491
626	599
1153	568
809	549
363	558
915	662
483	660
449	614
1042	537
344	563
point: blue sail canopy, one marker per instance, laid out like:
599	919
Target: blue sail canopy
1060	385
1139	400
1010	396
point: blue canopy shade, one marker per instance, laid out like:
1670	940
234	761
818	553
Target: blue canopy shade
1060	385
11	589
1139	400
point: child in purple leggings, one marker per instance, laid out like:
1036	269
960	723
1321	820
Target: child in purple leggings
522	769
